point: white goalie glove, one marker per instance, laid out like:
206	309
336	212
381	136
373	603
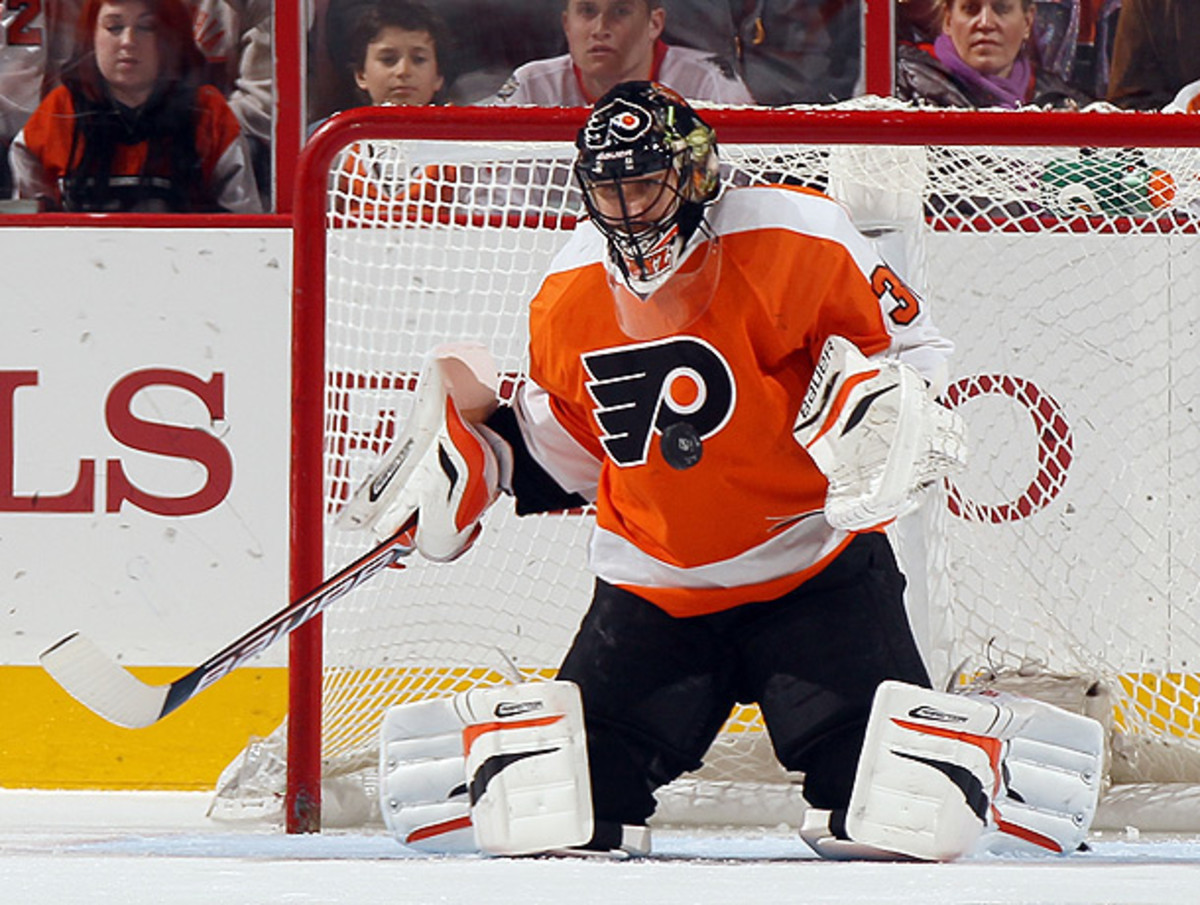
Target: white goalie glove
877	434
444	465
500	770
943	776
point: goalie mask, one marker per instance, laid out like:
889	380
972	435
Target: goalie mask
648	168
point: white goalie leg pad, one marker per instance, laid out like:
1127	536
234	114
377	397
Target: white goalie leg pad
500	770
875	431
824	837
1051	776
422	777
527	769
463	372
925	775
935	778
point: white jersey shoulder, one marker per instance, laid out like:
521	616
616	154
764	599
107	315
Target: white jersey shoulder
549	82
695	74
23	28
743	208
702	76
918	342
751	208
1186	101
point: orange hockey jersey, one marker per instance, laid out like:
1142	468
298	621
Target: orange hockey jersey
603	414
41	150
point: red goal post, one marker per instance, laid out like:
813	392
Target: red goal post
1020	181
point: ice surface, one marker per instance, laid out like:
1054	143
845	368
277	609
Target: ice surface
160	849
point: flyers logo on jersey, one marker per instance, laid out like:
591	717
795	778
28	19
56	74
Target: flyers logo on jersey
627	122
643	390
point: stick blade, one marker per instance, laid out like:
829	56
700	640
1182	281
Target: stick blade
89	676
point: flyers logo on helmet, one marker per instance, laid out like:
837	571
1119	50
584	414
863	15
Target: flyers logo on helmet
642	390
616	124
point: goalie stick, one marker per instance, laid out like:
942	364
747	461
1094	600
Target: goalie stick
111	691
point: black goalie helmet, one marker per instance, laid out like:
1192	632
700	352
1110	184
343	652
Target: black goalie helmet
648	167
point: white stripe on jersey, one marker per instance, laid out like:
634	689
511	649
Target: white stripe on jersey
809	541
552	446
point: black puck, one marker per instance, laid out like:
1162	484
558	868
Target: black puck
681	445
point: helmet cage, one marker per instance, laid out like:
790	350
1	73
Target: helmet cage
641	246
637	130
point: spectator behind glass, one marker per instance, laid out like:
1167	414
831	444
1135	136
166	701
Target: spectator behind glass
786	51
347	27
613	41
132	128
233	35
393	51
982	58
394	47
235	38
1156	52
35	41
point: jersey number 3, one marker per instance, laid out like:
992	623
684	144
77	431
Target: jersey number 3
898	300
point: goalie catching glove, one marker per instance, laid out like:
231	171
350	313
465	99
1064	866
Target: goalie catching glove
445	466
877	434
942	776
500	770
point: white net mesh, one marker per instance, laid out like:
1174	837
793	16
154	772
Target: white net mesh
1066	277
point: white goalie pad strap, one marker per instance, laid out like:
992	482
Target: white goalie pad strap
526	763
422	777
877	434
936	778
464	372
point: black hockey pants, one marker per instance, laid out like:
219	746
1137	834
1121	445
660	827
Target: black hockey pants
657	689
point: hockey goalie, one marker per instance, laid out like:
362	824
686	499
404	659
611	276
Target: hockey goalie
746	393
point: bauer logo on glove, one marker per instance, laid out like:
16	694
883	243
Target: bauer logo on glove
877	434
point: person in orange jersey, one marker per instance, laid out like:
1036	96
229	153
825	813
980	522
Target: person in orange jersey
745	392
671	348
132	127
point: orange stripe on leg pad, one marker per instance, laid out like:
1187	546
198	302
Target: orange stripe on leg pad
473	732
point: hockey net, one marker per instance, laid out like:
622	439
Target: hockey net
1058	251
